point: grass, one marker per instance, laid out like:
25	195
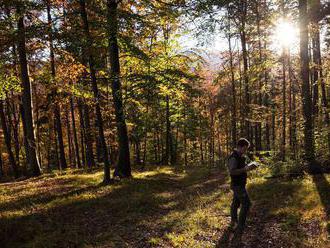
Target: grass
161	207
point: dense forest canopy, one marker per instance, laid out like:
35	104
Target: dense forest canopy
86	83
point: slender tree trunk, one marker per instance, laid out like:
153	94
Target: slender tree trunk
27	108
14	123
185	137
72	157
12	109
168	144
37	127
246	86
290	103
57	109
58	127
8	141
318	70
75	139
247	100
82	132
137	153
283	142
200	134
88	137
259	94
273	114
57	161
233	88
266	103
123	166
16	134
306	94
99	120
155	146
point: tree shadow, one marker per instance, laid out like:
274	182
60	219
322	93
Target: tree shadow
323	189
128	214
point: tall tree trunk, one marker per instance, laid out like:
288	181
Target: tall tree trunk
266	103
318	71
123	166
57	109
168	141
27	115
16	133
58	127
306	94
273	114
88	137
57	161
15	112
233	89
82	132
8	141
290	102
258	139
14	123
283	141
75	139
243	13
99	120
185	149
72	158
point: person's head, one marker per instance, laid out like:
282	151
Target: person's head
243	145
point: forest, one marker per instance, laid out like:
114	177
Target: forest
118	118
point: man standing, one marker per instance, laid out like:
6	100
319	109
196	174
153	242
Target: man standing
238	172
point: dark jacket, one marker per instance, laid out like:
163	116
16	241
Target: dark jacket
238	180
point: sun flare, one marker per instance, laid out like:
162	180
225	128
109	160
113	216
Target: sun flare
285	34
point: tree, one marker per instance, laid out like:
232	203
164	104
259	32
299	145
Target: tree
57	109
99	121
123	166
26	109
306	94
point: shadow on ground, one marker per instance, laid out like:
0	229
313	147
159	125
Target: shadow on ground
128	214
323	189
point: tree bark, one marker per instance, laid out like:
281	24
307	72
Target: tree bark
123	166
57	109
168	141
8	141
88	137
243	10
283	141
99	120
82	132
233	89
318	78
306	94
72	158
27	108
75	139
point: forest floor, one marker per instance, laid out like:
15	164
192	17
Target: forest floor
161	207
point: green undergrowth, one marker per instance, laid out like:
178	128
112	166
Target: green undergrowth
160	207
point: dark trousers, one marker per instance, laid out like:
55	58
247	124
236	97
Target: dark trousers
240	199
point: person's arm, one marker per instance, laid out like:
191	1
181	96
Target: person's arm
234	171
232	166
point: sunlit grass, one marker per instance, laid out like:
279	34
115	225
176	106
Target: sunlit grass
164	207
